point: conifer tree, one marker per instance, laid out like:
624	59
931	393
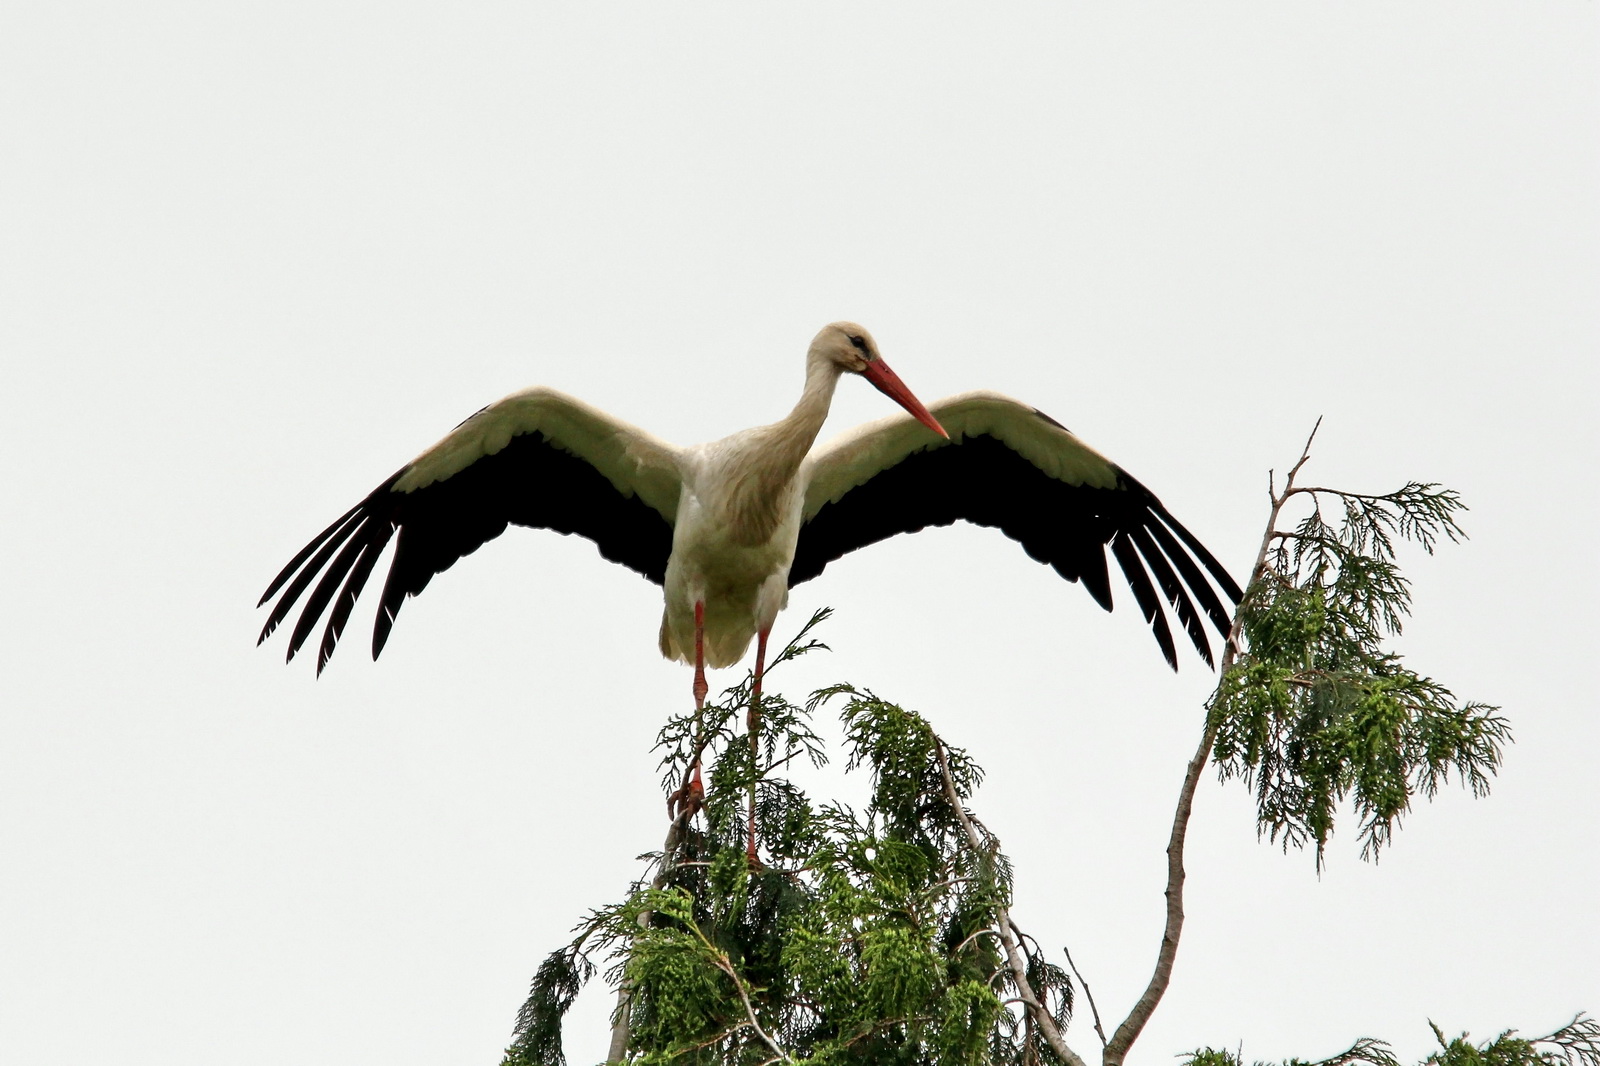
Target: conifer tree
884	934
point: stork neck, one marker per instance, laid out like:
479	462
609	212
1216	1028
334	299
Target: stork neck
822	377
793	437
787	441
763	468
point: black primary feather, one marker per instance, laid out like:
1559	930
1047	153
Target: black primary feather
529	482
1069	527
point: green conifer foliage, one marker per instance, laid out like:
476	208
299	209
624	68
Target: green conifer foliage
864	936
884	934
1316	710
1575	1044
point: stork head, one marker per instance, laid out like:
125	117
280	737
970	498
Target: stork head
852	350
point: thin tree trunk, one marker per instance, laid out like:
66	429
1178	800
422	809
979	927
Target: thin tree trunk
618	1051
1117	1050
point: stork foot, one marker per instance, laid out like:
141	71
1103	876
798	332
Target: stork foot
688	800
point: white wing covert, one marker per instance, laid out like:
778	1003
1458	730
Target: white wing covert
1009	465
537	458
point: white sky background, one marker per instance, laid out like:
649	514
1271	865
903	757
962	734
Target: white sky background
254	257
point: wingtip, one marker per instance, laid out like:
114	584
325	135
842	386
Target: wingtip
380	631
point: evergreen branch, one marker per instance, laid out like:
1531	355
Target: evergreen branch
1317	711
720	959
1019	970
556	984
621	1015
799	645
889	936
1575	1044
862	948
1366	1049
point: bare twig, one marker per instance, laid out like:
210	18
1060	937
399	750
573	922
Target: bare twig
1019	969
884	1023
1312	489
1117	1049
1101	1033
726	966
734	1028
974	936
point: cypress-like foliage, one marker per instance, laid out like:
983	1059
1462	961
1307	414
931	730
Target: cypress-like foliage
865	936
1316	710
883	935
1575	1044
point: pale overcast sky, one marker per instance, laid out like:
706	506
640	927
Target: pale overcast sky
256	256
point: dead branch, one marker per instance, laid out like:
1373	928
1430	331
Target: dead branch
1101	1033
1117	1050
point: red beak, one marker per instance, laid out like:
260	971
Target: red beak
888	382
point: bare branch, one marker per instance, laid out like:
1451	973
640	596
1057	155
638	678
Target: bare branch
726	967
1305	456
1087	995
1121	1041
974	936
734	1028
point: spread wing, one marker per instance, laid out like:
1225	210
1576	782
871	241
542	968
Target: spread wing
536	458
1010	466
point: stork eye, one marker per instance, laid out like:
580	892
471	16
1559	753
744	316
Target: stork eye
859	342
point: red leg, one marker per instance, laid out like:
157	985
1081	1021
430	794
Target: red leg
761	659
700	688
755	735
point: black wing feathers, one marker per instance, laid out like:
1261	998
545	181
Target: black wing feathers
1220	616
305	553
529	482
1173	590
348	596
1144	595
983	481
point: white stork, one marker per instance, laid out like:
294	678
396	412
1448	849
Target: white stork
727	528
